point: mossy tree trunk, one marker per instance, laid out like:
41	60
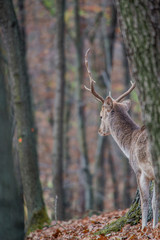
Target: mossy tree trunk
59	111
26	132
140	24
11	203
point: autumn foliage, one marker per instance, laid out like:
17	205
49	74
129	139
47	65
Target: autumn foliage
88	227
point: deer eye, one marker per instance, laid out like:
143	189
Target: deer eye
100	117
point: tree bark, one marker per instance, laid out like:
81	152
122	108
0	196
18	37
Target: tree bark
86	175
126	166
11	203
58	111
26	132
140	24
22	22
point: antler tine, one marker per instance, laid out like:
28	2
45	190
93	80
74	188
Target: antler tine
127	92
91	89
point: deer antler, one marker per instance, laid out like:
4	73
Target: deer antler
91	89
127	92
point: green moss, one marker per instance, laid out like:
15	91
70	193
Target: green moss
113	227
50	5
132	217
38	220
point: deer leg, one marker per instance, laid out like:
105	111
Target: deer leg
143	183
155	207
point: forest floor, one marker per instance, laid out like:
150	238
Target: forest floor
87	227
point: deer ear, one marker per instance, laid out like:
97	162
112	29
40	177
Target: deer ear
108	103
127	104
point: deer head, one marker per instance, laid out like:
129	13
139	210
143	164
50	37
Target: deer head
108	104
109	107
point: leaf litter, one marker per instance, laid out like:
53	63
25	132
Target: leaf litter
86	228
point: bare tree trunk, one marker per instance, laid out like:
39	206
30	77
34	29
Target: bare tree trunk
99	175
67	158
11	203
113	175
140	24
107	39
58	111
67	119
87	179
126	181
26	132
22	22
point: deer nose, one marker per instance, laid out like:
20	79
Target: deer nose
99	131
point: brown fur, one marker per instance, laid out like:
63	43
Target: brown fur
133	141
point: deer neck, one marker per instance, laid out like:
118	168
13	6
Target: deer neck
121	128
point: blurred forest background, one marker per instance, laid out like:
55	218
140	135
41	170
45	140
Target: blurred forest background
113	183
92	173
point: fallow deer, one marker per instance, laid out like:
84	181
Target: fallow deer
131	139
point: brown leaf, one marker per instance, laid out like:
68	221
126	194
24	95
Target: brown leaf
56	233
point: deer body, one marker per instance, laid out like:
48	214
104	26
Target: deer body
132	140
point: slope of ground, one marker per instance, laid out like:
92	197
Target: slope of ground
87	227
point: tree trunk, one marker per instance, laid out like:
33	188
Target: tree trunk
22	22
140	24
67	119
126	182
99	175
58	111
87	179
108	36
11	203
67	158
107	39
26	133
126	166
